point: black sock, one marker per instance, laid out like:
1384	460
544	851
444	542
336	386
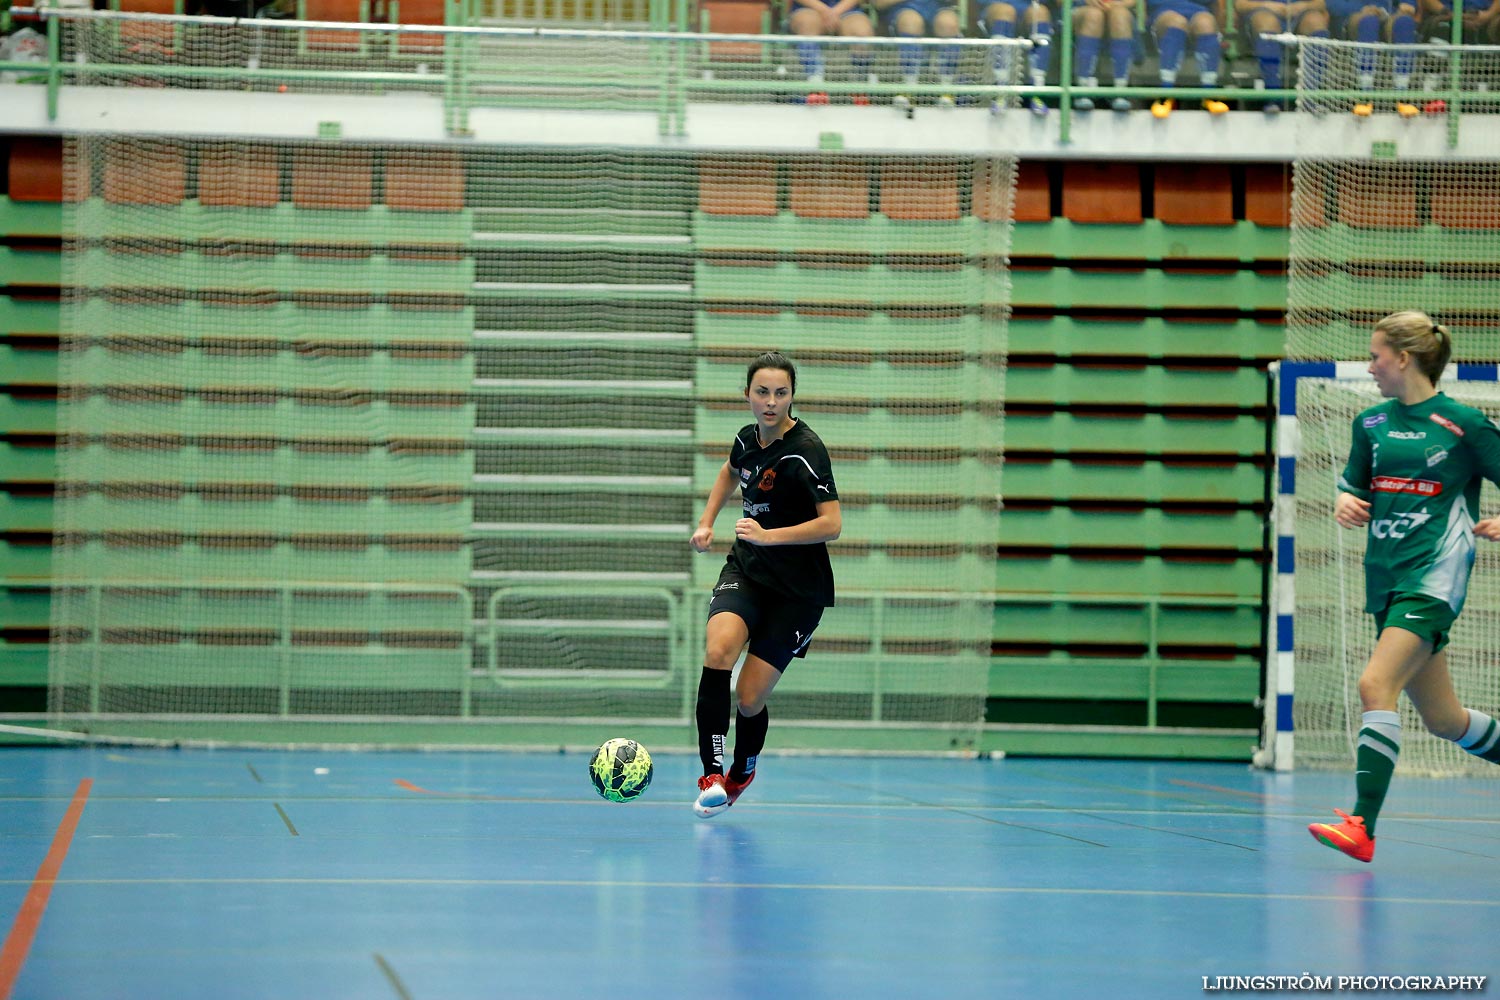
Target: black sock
713	719
749	741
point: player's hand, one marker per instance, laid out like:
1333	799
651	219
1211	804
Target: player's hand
1488	528
749	529
1349	511
702	539
831	17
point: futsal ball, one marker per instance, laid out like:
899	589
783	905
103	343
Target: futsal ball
621	770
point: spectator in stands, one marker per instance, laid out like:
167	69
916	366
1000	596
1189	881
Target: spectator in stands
776	580
1376	21
1267	17
834	17
1481	22
999	19
1092	20
916	19
1172	21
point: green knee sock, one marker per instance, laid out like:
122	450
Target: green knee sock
1375	762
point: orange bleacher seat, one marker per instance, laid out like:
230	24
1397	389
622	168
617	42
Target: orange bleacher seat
424	182
1386	200
836	189
332	177
1032	199
1102	192
736	17
913	192
35	172
1466	197
334	10
418	12
239	176
1309	197
145	172
1194	194
737	187
158	36
1268	195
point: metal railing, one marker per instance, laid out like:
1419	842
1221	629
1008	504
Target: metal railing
660	72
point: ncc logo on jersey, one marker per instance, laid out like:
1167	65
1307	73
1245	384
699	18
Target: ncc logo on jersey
1399	527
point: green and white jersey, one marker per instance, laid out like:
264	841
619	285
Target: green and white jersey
1420	468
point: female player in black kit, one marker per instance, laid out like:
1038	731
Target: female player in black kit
776	581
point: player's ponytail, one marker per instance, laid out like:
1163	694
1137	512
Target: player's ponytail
1429	344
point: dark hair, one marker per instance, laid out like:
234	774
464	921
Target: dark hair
1414	332
772	359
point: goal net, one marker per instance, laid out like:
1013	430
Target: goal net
358	435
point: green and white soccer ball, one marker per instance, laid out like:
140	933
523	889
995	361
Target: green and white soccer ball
621	770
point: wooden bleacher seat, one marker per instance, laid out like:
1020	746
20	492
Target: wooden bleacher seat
145	172
1268	195
161	37
417	12
35	172
1387	200
425	182
1194	194
830	190
737	187
242	176
1465	197
736	17
914	192
1102	193
334	10
332	178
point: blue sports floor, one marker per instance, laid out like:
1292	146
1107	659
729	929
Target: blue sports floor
241	874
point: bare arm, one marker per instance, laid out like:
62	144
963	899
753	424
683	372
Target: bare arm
703	537
823	528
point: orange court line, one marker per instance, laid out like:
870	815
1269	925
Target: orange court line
29	916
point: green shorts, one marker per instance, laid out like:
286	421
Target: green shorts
1423	616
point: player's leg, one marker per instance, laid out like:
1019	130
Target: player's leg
998	20
727	634
945	24
1268	53
908	23
752	720
1366	26
1088	40
1431	691
1401	31
805	23
1399	656
1038	21
1208	47
857	24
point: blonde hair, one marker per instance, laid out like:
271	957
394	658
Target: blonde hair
1414	332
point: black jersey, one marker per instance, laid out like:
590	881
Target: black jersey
782	485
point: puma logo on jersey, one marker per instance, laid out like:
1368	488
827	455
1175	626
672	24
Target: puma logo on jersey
822	487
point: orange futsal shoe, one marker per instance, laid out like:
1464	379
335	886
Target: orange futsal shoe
734	788
713	797
1348	836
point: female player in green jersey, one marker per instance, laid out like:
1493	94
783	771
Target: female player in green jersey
776	581
1413	478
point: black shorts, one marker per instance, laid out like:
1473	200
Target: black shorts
780	629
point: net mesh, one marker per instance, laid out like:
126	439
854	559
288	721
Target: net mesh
1334	636
1412	226
400	432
